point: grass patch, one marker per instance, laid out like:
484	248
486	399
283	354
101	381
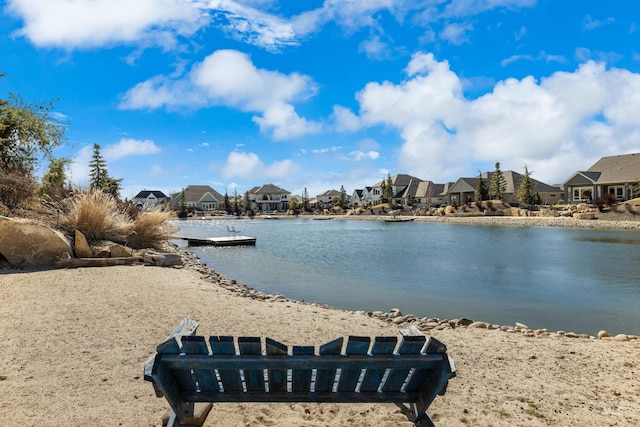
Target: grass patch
149	230
96	215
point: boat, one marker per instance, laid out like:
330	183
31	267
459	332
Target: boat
396	219
218	241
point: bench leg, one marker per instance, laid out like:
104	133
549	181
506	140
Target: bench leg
194	419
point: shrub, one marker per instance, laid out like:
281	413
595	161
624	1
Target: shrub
97	215
607	200
150	230
15	189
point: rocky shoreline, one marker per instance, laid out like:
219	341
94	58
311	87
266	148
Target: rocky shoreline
394	315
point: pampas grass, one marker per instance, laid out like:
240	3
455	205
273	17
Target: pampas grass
96	215
150	230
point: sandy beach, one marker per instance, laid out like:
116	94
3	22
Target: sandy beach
75	341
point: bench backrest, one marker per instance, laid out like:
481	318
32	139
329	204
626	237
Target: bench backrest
189	368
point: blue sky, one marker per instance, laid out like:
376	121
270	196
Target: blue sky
319	94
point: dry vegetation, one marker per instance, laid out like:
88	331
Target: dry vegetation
99	216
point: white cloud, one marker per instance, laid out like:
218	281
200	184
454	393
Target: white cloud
249	166
463	8
543	124
93	23
375	49
345	119
588	23
129	147
456	33
229	78
250	25
362	155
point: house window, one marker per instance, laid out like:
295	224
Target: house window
618	192
581	193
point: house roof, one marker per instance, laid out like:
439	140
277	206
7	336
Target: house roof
329	193
268	189
195	193
399	180
617	169
512	182
146	193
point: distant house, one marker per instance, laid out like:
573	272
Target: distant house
430	194
403	187
613	175
464	189
268	198
149	199
325	198
356	198
199	197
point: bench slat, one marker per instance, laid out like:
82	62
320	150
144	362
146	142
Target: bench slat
304	397
325	377
374	376
277	377
253	378
206	378
411	344
349	377
301	378
320	362
230	378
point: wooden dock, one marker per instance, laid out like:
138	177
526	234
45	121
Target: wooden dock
218	241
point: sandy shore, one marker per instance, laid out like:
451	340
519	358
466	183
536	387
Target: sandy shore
75	341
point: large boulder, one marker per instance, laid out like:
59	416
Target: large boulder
26	243
81	246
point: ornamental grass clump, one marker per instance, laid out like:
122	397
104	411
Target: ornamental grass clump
150	230
97	215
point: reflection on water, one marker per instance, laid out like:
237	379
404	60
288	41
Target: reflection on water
551	278
608	240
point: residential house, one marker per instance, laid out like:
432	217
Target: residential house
429	194
325	199
268	198
356	198
200	198
464	189
150	199
615	175
403	189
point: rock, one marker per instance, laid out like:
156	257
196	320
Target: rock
603	334
81	246
119	251
584	215
163	259
521	326
25	243
481	325
464	322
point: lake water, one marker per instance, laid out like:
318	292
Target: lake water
556	278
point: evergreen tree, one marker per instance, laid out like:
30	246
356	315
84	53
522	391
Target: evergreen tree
498	184
342	200
305	199
227	202
113	186
482	191
236	207
98	174
182	203
247	201
389	189
526	191
383	192
54	179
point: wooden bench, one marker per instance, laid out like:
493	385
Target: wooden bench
187	371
